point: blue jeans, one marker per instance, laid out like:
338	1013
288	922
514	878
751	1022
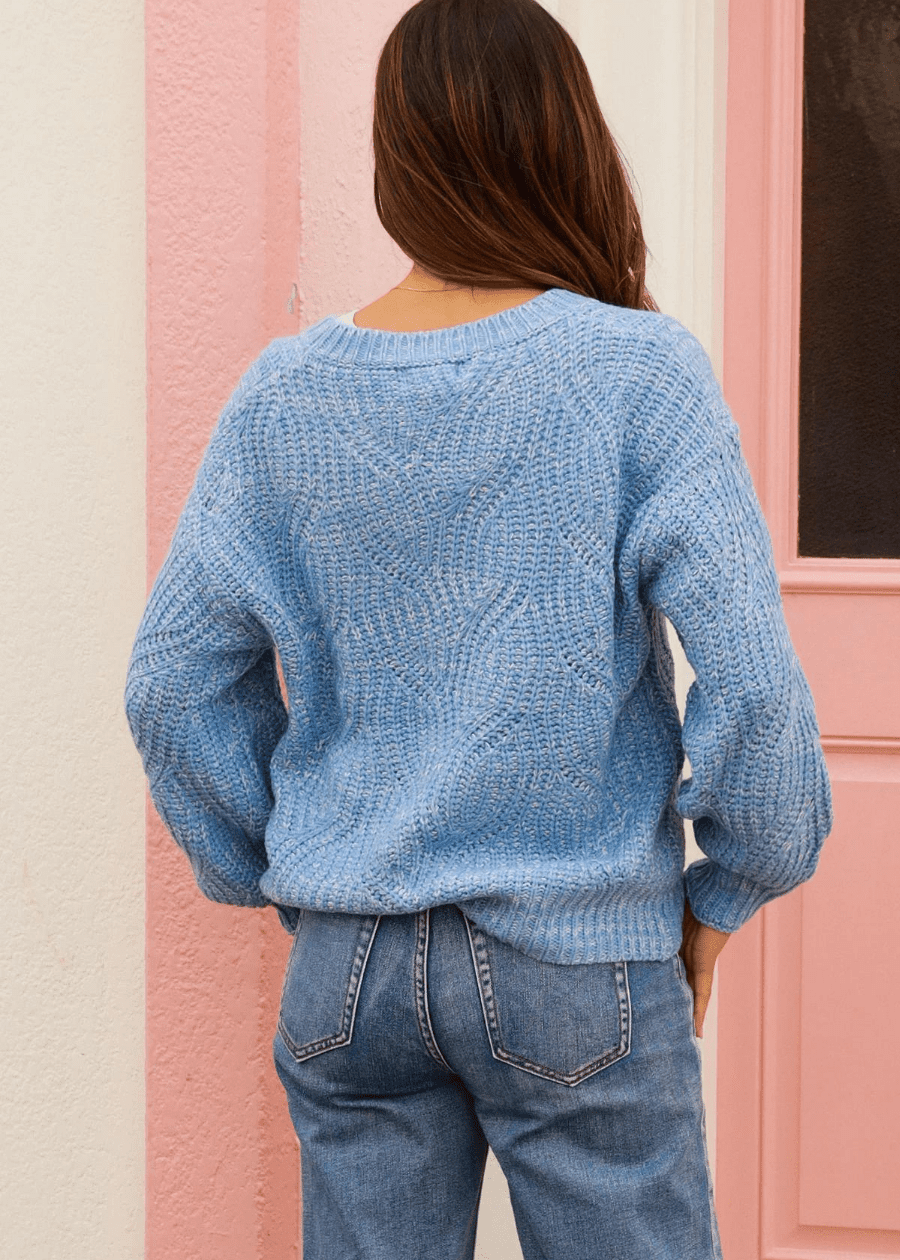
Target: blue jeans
409	1043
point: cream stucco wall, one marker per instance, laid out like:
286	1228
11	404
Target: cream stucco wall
73	584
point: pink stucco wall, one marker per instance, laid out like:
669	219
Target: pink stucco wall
223	237
347	257
258	178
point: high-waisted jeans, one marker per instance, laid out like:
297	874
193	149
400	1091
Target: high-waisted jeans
409	1043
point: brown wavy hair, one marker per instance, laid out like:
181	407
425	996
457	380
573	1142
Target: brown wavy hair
494	166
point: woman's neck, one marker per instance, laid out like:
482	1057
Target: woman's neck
422	301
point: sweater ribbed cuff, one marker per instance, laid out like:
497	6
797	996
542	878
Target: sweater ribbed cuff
721	899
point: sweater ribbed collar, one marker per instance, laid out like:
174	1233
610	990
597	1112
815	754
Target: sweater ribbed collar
376	346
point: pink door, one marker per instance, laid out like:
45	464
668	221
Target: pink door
808	1102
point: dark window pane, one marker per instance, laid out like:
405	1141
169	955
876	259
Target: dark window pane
850	287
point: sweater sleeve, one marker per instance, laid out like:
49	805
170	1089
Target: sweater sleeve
202	696
759	794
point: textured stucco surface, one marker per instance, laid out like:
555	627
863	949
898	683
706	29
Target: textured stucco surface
348	259
72	376
222	240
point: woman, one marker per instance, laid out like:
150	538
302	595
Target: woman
459	516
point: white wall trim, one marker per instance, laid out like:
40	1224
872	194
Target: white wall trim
659	69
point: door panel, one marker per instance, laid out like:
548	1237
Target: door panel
848	644
850	1031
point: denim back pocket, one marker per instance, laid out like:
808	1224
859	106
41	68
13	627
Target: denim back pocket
322	981
563	1022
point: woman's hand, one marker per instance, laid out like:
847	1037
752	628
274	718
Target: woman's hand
700	947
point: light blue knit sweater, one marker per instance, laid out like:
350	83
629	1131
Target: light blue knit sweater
462	543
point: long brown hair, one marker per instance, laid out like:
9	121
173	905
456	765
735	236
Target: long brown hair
494	166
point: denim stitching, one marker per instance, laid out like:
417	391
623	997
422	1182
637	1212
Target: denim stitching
344	1035
713	1223
478	947
425	989
481	988
423	1015
681	972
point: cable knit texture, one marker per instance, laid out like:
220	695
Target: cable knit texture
463	544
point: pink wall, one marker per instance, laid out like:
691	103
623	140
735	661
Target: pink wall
235	89
347	257
223	236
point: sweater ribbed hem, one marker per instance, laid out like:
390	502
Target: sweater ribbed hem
559	927
374	347
553	930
